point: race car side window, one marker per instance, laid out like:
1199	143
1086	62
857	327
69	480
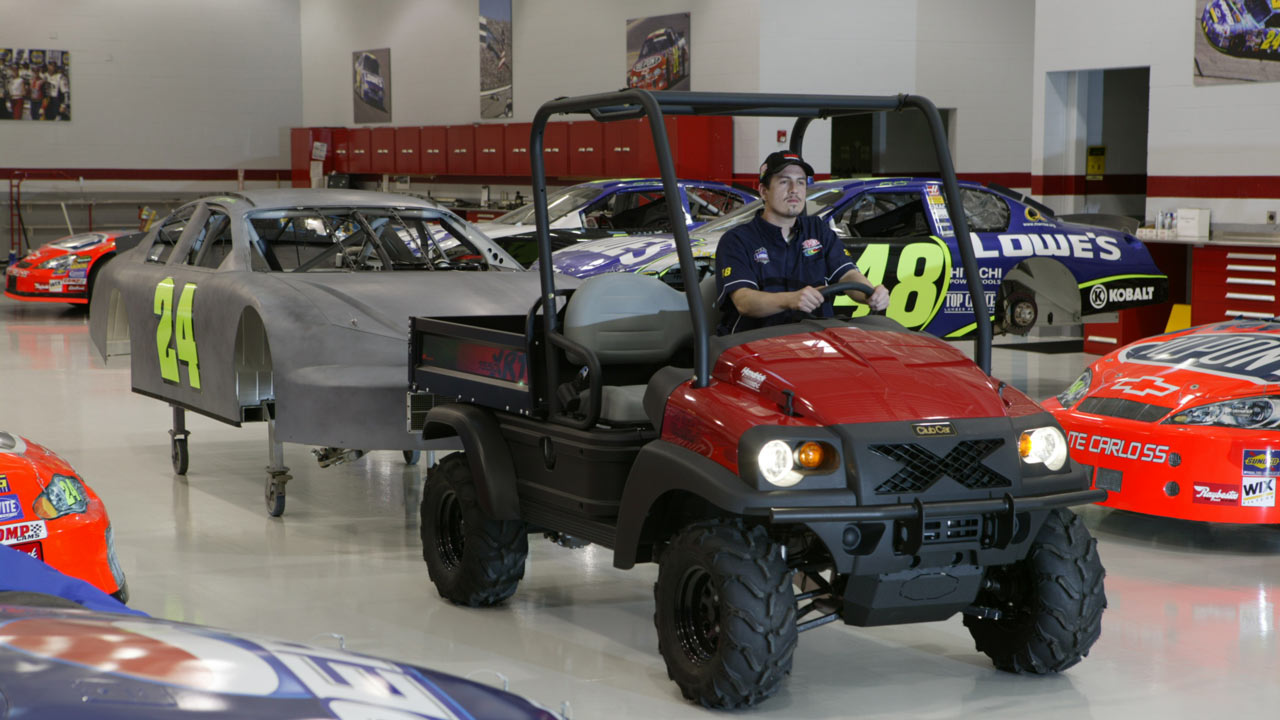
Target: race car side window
889	214
709	203
986	211
168	234
213	244
629	210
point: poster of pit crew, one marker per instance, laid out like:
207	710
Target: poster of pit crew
658	52
1237	41
36	84
495	59
371	77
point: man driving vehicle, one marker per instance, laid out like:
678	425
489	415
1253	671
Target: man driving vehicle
771	269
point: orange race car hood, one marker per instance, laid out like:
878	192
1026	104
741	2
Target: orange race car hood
853	374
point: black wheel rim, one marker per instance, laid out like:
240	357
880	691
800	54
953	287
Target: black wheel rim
450	530
698	615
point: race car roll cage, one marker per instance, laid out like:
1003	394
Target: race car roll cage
633	103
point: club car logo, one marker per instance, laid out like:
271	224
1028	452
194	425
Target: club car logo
933	429
1250	357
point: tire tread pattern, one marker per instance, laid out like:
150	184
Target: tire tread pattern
1065	599
494	551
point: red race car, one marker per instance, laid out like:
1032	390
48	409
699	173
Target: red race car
48	512
663	61
1183	425
64	270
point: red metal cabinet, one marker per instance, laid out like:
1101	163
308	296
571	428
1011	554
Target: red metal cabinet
516	149
408	150
586	156
434	150
300	157
383	150
646	157
461	158
489	144
341	150
1136	323
555	149
1234	280
621	147
361	158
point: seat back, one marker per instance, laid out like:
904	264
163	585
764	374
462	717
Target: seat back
627	318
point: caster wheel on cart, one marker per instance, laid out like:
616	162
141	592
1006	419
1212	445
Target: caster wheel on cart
411	457
178	453
275	497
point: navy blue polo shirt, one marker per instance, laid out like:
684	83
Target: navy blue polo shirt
756	256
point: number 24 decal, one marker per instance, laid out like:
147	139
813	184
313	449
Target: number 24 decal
175	338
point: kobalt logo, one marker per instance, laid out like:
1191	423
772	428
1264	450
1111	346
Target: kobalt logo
1131	294
1098	297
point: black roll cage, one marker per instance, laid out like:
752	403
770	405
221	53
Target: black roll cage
634	103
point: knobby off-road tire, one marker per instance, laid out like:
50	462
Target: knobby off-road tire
1052	601
725	614
472	558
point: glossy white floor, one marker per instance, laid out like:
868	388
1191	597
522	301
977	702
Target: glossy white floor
1190	632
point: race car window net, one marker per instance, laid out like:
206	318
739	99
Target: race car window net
559	204
363	239
643	210
708	203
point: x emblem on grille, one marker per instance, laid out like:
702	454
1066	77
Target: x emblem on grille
921	468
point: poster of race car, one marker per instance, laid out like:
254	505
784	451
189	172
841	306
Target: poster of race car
658	52
495	58
371	83
36	84
1237	41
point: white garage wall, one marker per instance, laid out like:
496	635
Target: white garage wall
1216	130
976	56
159	84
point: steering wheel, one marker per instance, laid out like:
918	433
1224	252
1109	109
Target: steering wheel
831	291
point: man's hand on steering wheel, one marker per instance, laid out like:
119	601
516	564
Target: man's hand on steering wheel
876	298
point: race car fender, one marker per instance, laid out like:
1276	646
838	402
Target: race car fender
487	453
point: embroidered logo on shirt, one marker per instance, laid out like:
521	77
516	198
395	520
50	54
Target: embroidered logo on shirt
727	271
762	255
811	247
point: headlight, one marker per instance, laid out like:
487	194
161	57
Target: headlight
62	262
1077	389
1043	445
777	465
783	465
64	495
1255	412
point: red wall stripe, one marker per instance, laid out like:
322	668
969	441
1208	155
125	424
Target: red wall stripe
139	174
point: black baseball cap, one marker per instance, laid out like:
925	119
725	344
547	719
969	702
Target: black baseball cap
778	160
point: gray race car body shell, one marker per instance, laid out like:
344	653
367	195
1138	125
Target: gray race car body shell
333	360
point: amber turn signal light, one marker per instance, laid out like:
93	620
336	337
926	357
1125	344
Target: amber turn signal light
810	455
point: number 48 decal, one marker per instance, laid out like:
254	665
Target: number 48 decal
175	339
916	274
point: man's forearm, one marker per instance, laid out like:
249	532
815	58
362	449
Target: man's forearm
758	304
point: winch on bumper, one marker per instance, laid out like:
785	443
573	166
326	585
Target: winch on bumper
927	516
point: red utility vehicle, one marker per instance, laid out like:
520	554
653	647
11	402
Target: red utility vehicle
781	478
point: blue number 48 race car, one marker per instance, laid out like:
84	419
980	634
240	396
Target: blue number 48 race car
1038	270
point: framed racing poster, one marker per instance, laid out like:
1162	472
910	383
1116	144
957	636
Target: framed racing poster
35	84
1232	36
371	85
495	58
658	52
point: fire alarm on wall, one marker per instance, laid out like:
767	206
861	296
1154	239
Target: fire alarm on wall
782	136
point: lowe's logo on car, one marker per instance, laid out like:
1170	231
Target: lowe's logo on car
23	532
10	507
1249	357
1087	245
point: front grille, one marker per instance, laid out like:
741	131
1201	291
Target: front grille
1109	479
921	468
1121	408
23	264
